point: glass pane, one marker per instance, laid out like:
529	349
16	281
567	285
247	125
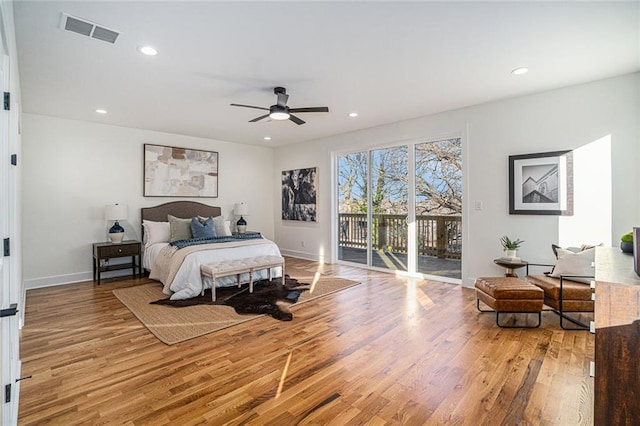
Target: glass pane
439	207
389	195
352	207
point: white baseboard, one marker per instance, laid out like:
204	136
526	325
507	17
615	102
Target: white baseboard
469	282
71	278
303	255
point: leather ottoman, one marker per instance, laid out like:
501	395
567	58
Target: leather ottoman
509	295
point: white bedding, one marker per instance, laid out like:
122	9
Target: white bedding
150	253
188	281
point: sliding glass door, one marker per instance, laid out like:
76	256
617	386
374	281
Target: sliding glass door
389	208
353	229
438	207
400	208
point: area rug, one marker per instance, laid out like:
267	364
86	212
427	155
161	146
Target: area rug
173	324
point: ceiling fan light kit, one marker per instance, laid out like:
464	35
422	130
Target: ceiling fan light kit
280	111
276	112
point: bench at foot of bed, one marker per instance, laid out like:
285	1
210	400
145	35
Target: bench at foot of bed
240	266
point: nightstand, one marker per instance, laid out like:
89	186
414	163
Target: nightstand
105	251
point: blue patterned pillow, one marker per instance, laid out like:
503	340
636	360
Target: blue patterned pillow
203	229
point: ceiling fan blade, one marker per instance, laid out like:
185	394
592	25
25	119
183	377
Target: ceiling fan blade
250	106
310	109
282	99
258	118
296	120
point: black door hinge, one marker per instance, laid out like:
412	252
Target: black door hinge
7	393
14	159
7	246
7	101
10	311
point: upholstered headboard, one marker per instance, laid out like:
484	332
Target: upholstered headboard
182	209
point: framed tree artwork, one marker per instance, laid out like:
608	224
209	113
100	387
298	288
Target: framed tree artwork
299	194
541	184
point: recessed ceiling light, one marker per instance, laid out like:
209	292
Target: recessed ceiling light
267	138
353	114
101	111
147	50
519	70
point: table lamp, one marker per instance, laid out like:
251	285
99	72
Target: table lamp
241	209
116	212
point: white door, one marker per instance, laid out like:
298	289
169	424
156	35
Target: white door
10	277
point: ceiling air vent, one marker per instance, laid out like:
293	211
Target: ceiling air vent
88	28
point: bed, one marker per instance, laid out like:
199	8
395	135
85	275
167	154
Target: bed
178	269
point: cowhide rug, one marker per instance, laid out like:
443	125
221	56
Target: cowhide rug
270	298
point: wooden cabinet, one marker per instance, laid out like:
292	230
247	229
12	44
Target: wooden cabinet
105	251
617	340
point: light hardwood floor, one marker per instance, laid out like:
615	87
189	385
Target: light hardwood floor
389	351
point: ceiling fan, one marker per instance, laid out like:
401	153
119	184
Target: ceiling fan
280	111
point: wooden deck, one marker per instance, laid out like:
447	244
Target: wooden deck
389	351
451	268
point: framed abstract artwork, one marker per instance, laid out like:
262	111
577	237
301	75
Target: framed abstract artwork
179	172
541	184
299	188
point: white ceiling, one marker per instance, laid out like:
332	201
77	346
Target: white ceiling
389	61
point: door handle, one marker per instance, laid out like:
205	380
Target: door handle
10	311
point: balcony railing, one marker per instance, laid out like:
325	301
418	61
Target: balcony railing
438	236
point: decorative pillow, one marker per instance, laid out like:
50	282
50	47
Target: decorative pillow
583	247
156	232
222	227
202	229
570	263
180	228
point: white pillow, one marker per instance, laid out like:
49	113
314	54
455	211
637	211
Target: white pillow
223	227
156	232
570	263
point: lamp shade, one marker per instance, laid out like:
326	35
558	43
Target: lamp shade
116	212
241	209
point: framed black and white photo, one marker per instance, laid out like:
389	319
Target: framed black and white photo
299	194
541	183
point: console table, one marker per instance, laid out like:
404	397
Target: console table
617	340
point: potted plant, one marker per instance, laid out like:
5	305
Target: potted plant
510	246
626	243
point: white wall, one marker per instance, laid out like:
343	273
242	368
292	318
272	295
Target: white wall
72	169
568	118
